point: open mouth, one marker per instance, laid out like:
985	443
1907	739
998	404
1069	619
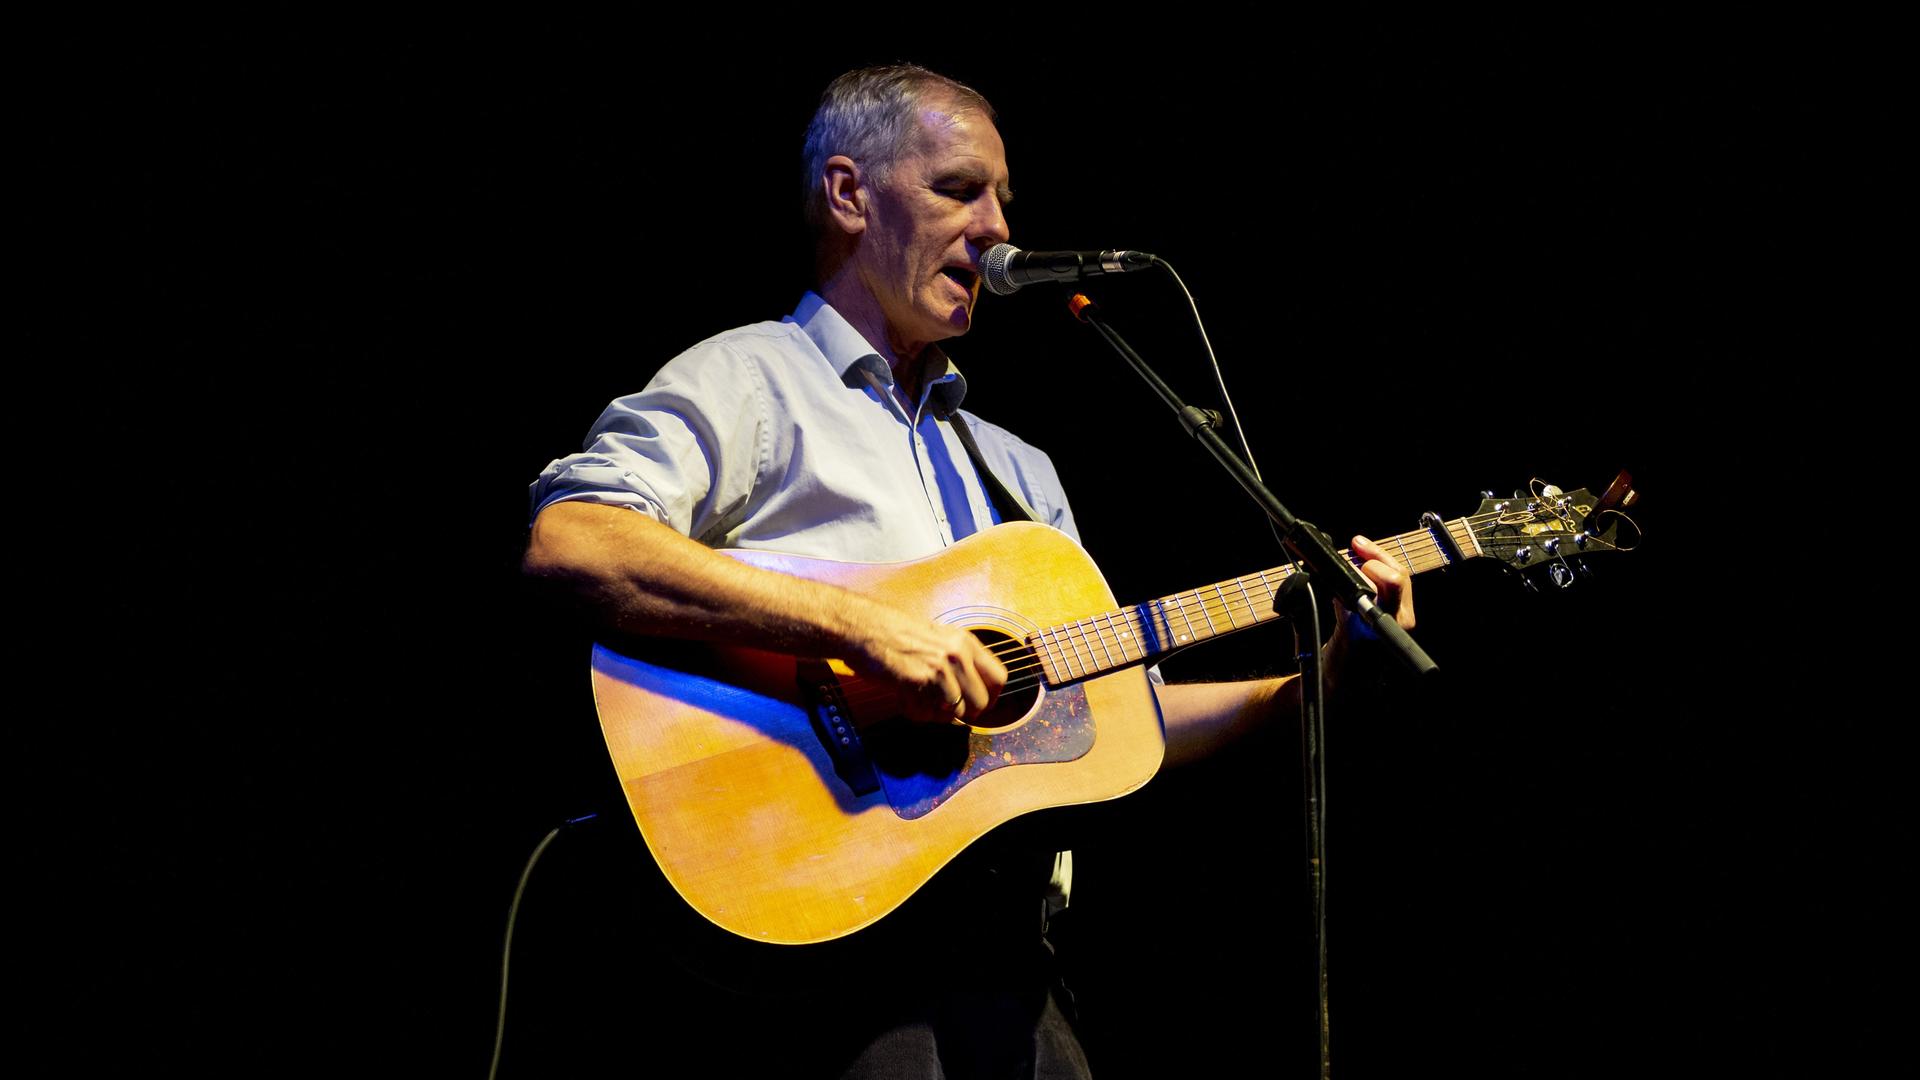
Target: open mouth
965	276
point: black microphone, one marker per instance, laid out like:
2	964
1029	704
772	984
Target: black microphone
1006	268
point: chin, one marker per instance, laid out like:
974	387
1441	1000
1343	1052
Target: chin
952	325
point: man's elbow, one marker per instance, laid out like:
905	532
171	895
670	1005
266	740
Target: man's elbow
553	544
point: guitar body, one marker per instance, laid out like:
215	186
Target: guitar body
722	755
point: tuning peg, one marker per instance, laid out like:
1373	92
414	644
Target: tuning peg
1487	493
1561	576
1551	544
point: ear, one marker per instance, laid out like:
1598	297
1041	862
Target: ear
846	192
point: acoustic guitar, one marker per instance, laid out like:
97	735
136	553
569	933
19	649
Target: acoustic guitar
786	803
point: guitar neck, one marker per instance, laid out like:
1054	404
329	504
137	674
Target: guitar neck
1143	633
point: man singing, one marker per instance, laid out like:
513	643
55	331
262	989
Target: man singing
837	433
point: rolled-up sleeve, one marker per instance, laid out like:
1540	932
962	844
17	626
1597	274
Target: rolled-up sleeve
686	451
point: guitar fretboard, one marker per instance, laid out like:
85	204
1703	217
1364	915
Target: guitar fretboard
1145	632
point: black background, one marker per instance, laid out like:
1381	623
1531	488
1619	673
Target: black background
353	296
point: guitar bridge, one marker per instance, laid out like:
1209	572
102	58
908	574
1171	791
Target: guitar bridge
833	725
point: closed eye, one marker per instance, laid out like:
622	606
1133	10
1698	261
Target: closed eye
965	190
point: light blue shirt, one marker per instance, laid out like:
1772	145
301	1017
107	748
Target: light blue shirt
789	436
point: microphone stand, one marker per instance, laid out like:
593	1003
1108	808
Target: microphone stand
1320	564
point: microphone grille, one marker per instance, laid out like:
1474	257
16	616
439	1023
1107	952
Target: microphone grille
993	269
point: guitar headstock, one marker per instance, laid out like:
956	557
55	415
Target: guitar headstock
1552	532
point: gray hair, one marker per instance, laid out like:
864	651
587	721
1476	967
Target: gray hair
871	115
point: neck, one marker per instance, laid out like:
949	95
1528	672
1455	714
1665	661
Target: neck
855	303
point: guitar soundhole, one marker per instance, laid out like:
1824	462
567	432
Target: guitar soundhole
905	750
1022	691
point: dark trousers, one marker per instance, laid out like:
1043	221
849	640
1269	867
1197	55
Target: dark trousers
614	972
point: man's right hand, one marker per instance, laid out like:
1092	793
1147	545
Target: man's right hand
941	673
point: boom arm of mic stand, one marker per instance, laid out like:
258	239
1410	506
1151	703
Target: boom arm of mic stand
1304	542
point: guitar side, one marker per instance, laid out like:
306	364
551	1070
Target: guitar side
738	800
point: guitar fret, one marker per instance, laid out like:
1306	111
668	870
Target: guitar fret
1267	595
1059	650
1151	639
1471	539
1090	636
1225	608
1260	601
1443	551
1065	636
1050	656
1428	556
1181	639
1170	608
1069	656
1275	580
1212	631
1077	633
1130	647
1101	634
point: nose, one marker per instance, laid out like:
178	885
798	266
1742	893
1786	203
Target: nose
989	220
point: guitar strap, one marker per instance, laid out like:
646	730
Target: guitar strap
1011	507
1008	505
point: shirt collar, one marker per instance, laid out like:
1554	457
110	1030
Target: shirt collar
844	347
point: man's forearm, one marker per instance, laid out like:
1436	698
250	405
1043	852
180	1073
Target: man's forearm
635	575
1203	717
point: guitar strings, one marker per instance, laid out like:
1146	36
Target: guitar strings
1093	638
1091	644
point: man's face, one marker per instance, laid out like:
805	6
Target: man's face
940	210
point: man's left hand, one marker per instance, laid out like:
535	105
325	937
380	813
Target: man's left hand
1392	580
1395	587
